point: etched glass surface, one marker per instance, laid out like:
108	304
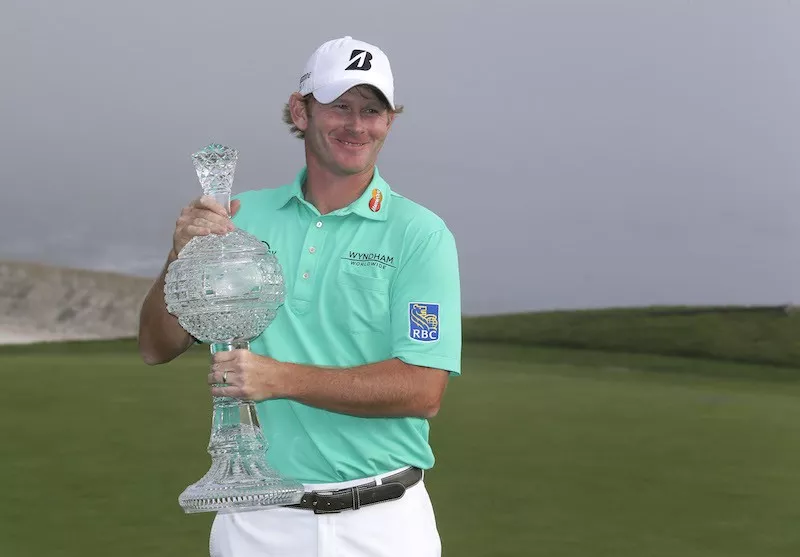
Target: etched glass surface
225	291
225	288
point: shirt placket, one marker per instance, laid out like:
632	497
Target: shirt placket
308	264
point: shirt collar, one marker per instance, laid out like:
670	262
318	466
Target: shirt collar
295	189
372	204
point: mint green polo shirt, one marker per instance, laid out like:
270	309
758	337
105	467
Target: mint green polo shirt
375	280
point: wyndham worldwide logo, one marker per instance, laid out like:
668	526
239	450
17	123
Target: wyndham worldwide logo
423	321
367	259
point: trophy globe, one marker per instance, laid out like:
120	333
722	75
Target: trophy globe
225	291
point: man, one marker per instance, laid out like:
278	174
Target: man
358	358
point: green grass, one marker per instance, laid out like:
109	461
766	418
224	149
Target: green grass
539	452
767	335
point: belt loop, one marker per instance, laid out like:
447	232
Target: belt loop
356	498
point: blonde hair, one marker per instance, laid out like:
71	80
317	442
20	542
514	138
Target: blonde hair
294	130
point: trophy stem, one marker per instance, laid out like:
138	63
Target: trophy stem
231	414
223	198
227	346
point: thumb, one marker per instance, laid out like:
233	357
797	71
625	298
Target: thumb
235	204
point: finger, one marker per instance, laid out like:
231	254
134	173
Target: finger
223	356
229	390
217	226
222	367
239	353
193	230
209	217
235	204
234	354
182	221
223	377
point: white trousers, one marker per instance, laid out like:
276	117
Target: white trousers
404	527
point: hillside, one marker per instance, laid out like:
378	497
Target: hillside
758	334
46	303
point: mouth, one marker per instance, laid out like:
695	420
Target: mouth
350	144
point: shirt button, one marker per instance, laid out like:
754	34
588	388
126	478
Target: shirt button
305	275
312	249
319	224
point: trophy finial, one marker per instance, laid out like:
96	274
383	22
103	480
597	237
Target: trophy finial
215	165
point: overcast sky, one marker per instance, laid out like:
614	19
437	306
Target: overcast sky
584	153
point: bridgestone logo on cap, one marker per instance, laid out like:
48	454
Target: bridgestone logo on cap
360	60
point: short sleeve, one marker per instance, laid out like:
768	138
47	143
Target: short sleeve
426	305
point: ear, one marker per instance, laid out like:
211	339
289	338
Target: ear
299	111
390	121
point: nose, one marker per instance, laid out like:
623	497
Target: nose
355	123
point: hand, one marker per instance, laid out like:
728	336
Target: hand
249	376
201	217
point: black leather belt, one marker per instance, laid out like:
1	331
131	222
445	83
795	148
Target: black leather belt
391	487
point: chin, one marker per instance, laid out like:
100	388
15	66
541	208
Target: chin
351	166
352	170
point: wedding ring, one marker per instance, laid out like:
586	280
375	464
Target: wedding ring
225	377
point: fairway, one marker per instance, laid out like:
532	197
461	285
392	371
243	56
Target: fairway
539	452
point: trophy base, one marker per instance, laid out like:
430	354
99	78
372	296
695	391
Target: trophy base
230	492
239	477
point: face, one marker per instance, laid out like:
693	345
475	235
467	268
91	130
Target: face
345	136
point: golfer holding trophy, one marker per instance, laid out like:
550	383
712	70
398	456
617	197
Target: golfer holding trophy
331	306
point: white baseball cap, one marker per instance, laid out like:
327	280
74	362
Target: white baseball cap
340	64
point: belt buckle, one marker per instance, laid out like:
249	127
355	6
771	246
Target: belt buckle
315	500
356	504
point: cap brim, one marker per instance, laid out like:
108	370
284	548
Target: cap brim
329	93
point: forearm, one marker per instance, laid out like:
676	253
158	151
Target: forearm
161	337
387	389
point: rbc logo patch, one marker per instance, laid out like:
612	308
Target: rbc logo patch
423	321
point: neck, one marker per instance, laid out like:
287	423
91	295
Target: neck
328	191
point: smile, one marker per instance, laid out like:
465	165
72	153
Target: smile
350	144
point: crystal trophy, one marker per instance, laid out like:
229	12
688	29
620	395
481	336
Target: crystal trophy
225	291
